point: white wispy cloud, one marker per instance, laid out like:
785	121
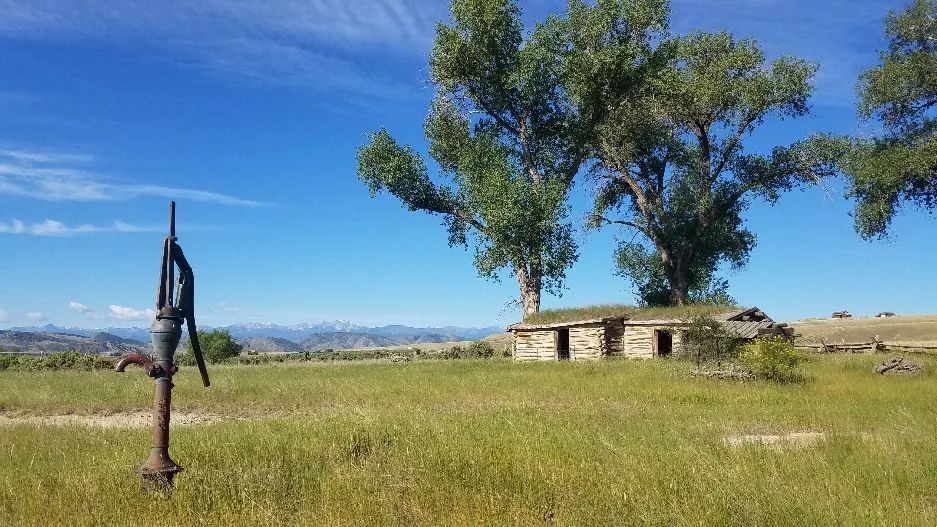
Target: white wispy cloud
128	313
57	228
79	307
55	176
270	42
36	316
229	307
395	23
4	316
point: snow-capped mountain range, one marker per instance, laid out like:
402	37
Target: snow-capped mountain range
296	332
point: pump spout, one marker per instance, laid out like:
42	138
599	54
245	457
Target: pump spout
149	367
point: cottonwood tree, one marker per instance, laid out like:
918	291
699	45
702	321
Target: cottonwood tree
507	133
900	164
673	165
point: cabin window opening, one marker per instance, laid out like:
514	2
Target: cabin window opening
663	342
562	344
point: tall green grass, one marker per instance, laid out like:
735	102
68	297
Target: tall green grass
481	443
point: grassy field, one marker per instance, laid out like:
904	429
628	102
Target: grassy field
481	443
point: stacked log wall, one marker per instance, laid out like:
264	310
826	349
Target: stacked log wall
534	345
586	342
593	341
638	340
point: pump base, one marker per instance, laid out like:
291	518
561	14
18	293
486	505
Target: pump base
158	472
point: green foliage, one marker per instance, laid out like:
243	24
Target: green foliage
217	346
186	358
646	271
774	359
900	165
481	349
510	127
63	360
455	352
673	165
706	341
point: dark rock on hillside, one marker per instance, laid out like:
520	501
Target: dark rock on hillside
270	345
341	340
102	343
433	338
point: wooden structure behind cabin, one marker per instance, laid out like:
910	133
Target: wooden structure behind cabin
627	335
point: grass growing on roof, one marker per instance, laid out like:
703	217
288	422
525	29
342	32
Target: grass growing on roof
572	314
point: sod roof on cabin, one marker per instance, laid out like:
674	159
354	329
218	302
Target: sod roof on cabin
601	312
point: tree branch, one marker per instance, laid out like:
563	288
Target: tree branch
502	122
525	150
606	221
733	143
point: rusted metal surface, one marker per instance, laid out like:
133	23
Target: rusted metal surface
159	469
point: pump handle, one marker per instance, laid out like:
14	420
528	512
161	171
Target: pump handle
186	302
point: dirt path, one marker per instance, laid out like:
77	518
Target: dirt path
124	420
793	438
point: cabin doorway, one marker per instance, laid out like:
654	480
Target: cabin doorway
562	344
663	343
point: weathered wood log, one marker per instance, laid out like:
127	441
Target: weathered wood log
898	365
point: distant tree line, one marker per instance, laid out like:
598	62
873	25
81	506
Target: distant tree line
76	360
659	121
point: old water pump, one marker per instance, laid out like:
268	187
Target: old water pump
159	469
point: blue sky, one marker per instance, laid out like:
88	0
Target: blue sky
249	114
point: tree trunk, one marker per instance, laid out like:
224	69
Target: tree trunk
529	283
679	288
678	295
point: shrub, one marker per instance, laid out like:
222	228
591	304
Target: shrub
8	361
103	362
217	346
774	359
705	340
455	352
63	360
185	359
481	349
69	360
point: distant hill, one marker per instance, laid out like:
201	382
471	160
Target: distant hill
431	338
270	345
137	334
342	340
106	343
262	337
301	332
903	329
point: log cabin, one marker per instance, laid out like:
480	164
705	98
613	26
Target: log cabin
635	333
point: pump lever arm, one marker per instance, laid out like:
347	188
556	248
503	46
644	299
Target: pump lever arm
186	302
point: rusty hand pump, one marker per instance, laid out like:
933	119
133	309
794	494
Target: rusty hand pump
159	469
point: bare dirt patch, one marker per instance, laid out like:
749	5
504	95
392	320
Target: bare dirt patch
793	438
124	420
